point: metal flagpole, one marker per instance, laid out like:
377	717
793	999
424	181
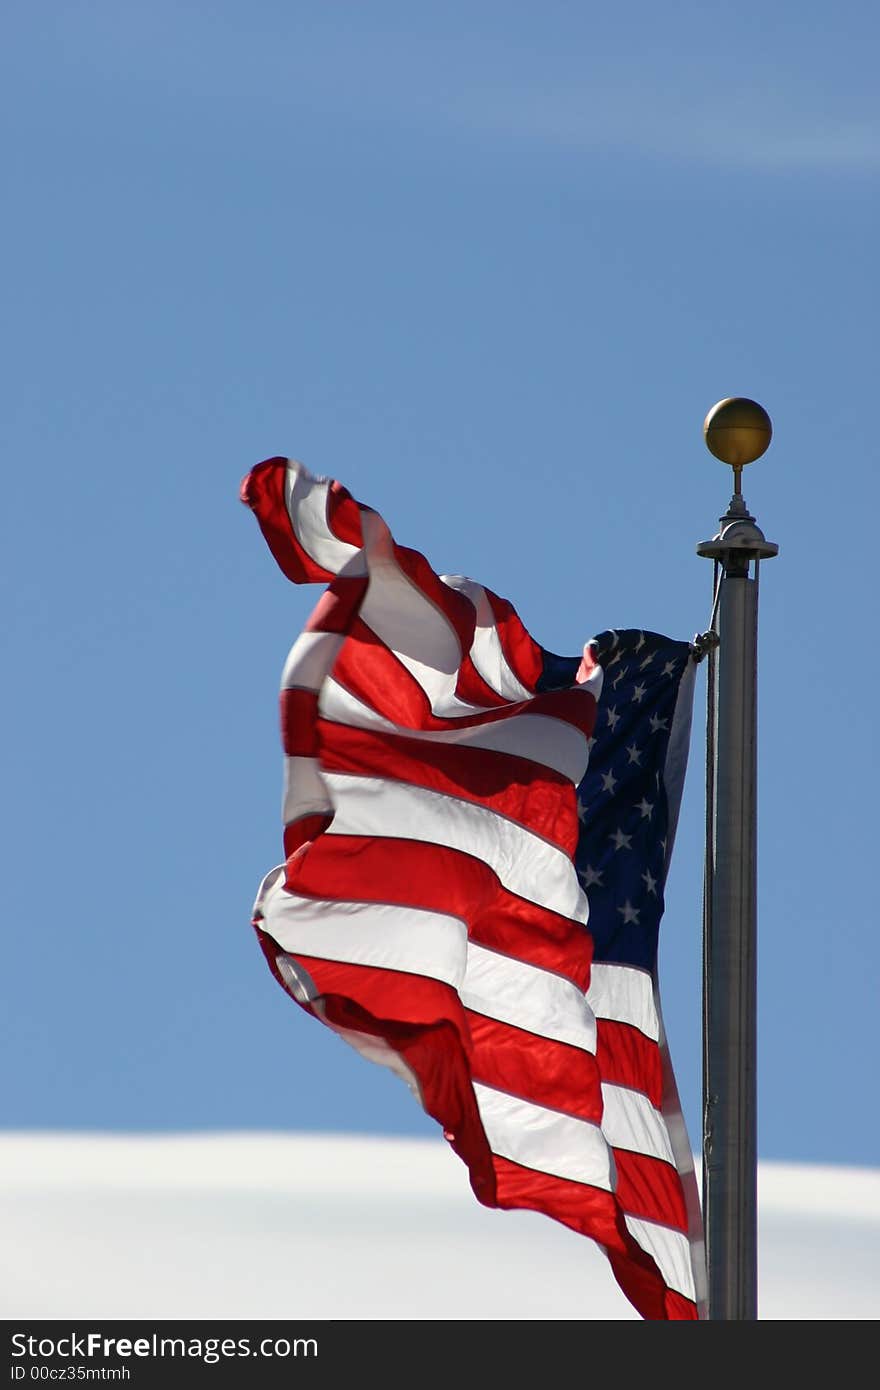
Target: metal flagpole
737	431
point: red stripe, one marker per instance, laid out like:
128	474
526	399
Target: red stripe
524	657
414	874
302	831
678	1308
263	491
590	1210
344	515
532	795
627	1058
545	1072
338	607
299	723
650	1189
390	997
373	674
645	1289
473	689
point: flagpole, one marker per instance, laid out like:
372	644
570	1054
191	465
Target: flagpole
737	431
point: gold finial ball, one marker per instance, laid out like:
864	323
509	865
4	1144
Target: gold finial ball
737	430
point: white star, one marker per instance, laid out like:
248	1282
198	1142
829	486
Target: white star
639	693
635	755
589	876
619	677
582	810
647	661
663	845
657	723
650	882
590	745
646	808
629	913
609	782
669	668
621	841
613	716
640	643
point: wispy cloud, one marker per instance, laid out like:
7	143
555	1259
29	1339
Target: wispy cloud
681	97
681	121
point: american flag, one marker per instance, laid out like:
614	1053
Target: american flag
476	837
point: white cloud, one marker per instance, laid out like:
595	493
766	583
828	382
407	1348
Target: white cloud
249	1226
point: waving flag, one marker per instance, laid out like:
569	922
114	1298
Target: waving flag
476	839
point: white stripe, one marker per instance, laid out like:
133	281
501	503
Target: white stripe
630	1121
376	934
538	737
670	1250
297	980
376	1050
487	653
543	1139
310	660
306	498
526	865
625	995
268	888
684	1159
409	624
305	791
527	997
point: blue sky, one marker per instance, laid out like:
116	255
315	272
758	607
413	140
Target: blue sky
489	264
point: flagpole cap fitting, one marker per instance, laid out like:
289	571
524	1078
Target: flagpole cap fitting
737	431
738	540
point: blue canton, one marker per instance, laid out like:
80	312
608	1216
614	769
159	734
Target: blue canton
623	849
